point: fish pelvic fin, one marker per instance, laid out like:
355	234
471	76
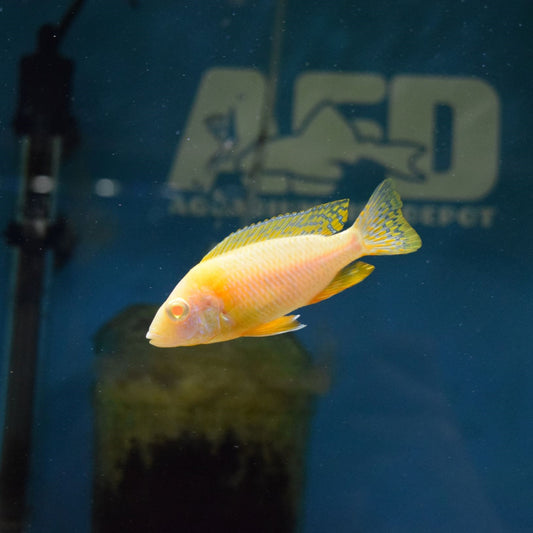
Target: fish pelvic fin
382	226
346	277
283	324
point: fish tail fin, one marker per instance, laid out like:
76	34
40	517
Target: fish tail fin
382	226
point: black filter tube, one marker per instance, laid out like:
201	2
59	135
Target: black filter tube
46	129
41	159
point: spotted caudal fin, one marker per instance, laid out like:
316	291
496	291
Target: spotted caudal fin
383	228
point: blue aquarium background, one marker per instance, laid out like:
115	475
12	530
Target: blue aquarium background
428	422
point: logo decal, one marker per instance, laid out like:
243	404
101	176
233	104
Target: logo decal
437	136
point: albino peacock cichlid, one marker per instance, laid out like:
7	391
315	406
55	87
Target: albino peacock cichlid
247	284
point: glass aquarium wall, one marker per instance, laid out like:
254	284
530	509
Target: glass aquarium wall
135	136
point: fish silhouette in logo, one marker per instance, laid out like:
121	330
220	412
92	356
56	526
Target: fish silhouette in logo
325	143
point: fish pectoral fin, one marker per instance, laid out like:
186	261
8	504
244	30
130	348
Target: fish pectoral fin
346	277
283	324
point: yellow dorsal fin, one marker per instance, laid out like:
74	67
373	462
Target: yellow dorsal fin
283	324
324	219
346	277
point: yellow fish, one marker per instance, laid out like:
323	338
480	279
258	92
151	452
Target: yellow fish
246	285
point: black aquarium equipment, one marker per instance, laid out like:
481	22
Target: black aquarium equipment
47	131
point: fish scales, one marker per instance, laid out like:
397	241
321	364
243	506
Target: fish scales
266	279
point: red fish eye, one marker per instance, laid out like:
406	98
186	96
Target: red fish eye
177	309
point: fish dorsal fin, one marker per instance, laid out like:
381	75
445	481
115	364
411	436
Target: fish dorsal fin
324	219
346	277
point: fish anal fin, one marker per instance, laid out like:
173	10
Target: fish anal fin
325	219
346	277
283	324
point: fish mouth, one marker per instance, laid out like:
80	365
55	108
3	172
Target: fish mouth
158	340
151	336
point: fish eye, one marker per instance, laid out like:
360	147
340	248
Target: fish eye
177	309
